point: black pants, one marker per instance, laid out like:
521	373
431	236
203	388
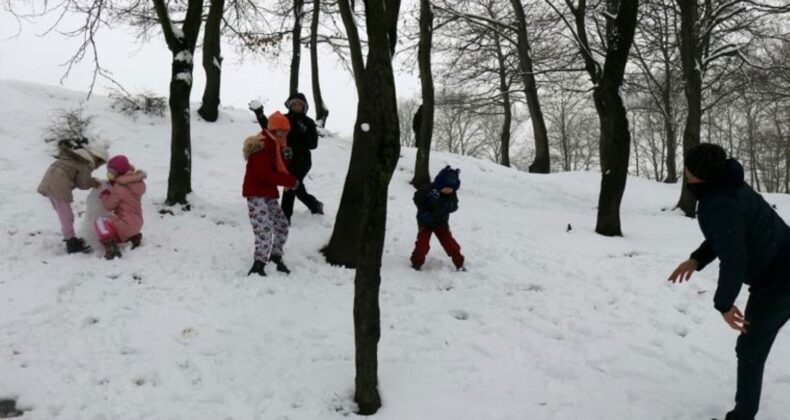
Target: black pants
299	169
766	313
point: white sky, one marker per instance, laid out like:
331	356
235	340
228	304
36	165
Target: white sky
30	57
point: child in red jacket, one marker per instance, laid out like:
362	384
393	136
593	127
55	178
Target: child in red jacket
266	171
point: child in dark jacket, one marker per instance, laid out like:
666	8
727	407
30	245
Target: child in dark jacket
434	204
302	138
265	172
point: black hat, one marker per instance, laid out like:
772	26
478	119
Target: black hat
706	161
447	177
299	96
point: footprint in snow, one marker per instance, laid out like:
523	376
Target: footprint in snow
459	314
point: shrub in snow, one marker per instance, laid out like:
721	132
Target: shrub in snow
70	125
142	103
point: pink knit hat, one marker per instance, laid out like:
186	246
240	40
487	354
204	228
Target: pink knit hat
118	165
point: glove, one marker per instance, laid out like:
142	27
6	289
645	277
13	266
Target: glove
301	126
288	153
433	195
255	106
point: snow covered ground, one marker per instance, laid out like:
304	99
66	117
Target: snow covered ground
546	324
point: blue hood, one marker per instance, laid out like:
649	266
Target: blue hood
447	177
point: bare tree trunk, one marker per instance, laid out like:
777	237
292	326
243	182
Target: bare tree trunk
212	62
296	44
355	47
669	128
321	111
182	46
542	163
693	78
424	138
504	90
341	249
378	147
615	139
751	140
778	125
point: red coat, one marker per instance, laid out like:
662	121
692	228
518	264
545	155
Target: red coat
265	168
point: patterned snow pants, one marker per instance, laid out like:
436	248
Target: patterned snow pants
269	226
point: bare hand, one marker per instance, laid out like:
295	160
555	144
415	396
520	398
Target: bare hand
684	271
734	318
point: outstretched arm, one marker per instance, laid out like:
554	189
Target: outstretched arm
256	107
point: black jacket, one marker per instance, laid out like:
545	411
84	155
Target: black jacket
433	207
302	138
751	241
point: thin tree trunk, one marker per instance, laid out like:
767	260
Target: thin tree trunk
778	125
424	138
751	139
182	47
669	129
378	146
212	62
296	45
542	162
693	78
504	90
355	47
321	111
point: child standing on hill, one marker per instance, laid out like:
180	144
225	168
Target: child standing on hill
75	161
266	171
122	195
434	204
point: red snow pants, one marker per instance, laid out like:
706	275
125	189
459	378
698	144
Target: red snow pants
422	246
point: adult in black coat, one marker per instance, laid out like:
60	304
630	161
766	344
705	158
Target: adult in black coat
752	244
302	138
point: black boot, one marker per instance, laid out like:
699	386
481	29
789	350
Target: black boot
278	261
318	208
136	240
257	268
75	245
111	250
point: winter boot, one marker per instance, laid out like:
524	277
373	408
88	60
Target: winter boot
257	268
278	261
318	208
135	240
75	245
111	250
416	266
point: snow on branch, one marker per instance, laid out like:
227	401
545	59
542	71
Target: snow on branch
723	51
184	56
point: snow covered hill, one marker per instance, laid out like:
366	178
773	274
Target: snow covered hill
546	324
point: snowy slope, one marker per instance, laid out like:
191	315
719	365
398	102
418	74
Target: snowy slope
546	324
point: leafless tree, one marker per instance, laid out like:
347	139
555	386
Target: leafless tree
614	43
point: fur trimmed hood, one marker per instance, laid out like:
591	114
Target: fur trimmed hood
253	144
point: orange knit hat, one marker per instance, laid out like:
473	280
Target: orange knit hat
278	121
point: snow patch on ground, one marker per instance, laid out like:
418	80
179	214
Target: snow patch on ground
546	324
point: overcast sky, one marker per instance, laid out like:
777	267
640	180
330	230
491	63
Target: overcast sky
30	57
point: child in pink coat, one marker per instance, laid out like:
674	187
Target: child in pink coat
123	197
